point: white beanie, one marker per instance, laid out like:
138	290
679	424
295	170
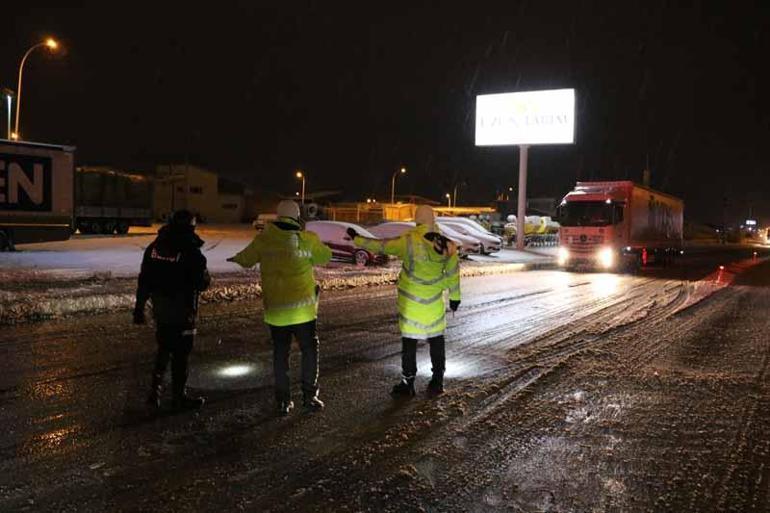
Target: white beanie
287	208
424	215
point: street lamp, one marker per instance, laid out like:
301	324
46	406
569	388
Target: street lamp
8	107
448	200
301	176
393	184
52	45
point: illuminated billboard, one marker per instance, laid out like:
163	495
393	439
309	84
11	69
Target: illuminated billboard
531	117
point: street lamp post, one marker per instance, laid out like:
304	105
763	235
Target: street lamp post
52	45
301	176
393	184
8	107
448	199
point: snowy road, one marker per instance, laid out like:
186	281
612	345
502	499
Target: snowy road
566	392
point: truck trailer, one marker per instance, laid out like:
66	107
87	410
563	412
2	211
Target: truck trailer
43	197
110	201
36	192
618	226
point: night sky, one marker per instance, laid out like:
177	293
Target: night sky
350	92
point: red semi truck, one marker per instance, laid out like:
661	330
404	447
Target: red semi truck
618	226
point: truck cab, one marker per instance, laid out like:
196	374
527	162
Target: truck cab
618	225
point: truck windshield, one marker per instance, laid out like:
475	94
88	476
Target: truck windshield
586	213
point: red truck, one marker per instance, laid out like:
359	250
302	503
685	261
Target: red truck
618	226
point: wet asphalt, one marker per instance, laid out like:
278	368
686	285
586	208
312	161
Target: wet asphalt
77	437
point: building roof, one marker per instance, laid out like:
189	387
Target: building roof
31	144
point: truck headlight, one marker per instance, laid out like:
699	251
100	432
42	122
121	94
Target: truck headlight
606	257
562	256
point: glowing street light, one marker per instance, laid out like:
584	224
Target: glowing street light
8	107
52	46
448	199
393	184
301	176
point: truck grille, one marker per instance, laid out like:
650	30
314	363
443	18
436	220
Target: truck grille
584	243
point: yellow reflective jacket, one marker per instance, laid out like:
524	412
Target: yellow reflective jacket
286	258
424	276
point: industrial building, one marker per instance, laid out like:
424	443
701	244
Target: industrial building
212	198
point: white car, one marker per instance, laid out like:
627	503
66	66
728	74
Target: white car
489	243
334	234
470	223
392	229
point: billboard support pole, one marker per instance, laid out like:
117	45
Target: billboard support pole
521	210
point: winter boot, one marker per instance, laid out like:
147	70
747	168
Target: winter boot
156	390
283	408
404	388
182	401
436	385
312	403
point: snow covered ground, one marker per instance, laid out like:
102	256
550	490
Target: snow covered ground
96	273
120	256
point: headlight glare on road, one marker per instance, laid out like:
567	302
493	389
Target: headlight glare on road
606	258
235	371
562	256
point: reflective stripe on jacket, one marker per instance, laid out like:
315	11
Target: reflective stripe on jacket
424	276
286	258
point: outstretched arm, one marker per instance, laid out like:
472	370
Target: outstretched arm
250	255
395	247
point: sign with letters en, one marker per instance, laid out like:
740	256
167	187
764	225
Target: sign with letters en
524	118
25	182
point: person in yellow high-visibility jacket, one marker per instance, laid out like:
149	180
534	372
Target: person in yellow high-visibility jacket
286	255
429	267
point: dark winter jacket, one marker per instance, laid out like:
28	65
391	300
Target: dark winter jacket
173	273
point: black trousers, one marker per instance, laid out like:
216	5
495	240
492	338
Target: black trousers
307	337
175	344
409	356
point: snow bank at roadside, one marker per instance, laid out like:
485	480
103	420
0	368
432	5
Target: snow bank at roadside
723	277
61	296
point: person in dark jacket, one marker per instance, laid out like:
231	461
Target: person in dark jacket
172	275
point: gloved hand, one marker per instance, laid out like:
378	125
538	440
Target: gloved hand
139	317
454	304
352	233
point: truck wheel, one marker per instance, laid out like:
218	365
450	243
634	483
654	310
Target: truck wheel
6	244
94	227
83	228
122	228
108	227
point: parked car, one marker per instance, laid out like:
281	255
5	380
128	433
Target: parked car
489	243
333	234
262	219
475	225
392	229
